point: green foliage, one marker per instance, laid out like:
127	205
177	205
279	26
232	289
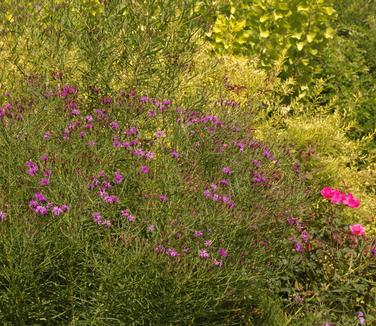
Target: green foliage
149	44
294	29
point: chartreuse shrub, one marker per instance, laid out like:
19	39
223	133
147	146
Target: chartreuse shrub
294	29
327	156
349	65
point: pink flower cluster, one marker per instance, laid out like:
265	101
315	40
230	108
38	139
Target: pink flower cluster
336	197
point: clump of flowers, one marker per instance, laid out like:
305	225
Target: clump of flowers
337	197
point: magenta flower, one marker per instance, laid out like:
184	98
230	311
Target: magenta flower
32	168
199	234
41	210
227	170
357	229
144	169
336	197
57	210
218	262
118	177
224	182
259	177
351	201
97	218
327	192
305	236
222	252
175	154
114	125
172	252
44	182
127	214
111	199
160	134
152	114
149	155
3	216
107	100
44	158
47	135
39	197
203	254
131	131
298	246
163	198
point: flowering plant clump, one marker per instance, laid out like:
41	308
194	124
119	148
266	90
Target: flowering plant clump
155	201
337	197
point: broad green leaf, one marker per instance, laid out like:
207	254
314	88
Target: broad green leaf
264	34
329	33
329	10
314	52
277	16
300	45
311	37
301	8
297	35
264	18
218	39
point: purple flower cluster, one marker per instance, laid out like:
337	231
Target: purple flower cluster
41	206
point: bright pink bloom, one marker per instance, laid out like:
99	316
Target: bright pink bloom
336	197
351	201
327	192
357	229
